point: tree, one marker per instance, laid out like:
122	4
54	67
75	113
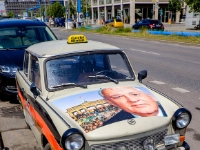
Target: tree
57	10
84	4
194	5
10	14
73	10
175	5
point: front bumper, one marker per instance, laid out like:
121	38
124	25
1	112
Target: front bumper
8	85
185	146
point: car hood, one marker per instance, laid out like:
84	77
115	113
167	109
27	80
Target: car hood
12	57
97	119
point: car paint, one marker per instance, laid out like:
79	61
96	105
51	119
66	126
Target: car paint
47	115
114	23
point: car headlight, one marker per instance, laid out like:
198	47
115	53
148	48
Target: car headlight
181	118
72	139
7	69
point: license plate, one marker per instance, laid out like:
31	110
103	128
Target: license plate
157	25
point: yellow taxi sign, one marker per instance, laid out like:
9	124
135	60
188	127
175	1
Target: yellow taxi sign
79	38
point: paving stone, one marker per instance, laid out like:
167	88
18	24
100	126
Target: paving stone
22	139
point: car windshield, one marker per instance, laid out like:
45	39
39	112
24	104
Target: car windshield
23	37
154	21
87	69
118	20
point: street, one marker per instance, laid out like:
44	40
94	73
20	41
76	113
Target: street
172	69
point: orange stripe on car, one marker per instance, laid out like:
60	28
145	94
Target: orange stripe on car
46	131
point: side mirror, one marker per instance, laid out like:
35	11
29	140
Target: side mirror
142	75
34	90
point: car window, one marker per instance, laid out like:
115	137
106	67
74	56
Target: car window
145	22
140	22
112	20
154	21
118	20
24	36
77	69
34	72
26	61
118	66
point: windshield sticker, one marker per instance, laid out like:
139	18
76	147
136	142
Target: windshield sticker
98	108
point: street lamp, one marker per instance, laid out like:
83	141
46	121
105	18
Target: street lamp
86	12
45	11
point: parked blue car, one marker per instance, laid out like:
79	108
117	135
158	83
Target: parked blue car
60	22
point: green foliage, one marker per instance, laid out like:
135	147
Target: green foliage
127	30
10	14
194	5
57	10
85	4
73	10
175	5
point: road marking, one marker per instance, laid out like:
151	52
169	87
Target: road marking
180	90
145	52
157	82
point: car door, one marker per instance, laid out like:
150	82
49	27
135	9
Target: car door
24	93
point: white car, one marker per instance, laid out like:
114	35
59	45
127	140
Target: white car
84	95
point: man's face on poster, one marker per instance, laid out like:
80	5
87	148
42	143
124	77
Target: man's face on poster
132	100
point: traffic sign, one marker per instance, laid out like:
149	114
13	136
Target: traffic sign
86	14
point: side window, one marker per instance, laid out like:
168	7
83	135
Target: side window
140	22
34	72
122	68
26	61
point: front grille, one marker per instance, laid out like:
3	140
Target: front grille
136	144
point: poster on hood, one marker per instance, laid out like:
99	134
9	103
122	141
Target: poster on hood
98	108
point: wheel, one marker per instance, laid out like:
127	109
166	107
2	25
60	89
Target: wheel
47	147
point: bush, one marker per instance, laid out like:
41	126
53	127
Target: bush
127	30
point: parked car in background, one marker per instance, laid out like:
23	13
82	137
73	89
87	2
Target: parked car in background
59	22
15	36
115	23
107	21
84	95
150	24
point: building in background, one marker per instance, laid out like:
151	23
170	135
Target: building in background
192	18
2	9
133	9
20	6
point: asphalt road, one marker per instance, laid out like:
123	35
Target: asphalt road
173	68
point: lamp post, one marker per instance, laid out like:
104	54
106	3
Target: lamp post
45	11
86	12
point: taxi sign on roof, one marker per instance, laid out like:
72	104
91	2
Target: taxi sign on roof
79	38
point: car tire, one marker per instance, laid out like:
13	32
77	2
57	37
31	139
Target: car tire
47	147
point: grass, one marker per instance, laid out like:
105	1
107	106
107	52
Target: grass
143	33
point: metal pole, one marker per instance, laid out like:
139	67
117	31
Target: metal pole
45	10
86	12
40	13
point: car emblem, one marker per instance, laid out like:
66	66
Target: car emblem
131	121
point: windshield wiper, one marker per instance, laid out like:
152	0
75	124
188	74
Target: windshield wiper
104	77
69	84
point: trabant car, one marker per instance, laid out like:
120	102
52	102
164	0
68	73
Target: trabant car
84	95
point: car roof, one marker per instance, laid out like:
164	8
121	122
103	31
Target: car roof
18	22
59	47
